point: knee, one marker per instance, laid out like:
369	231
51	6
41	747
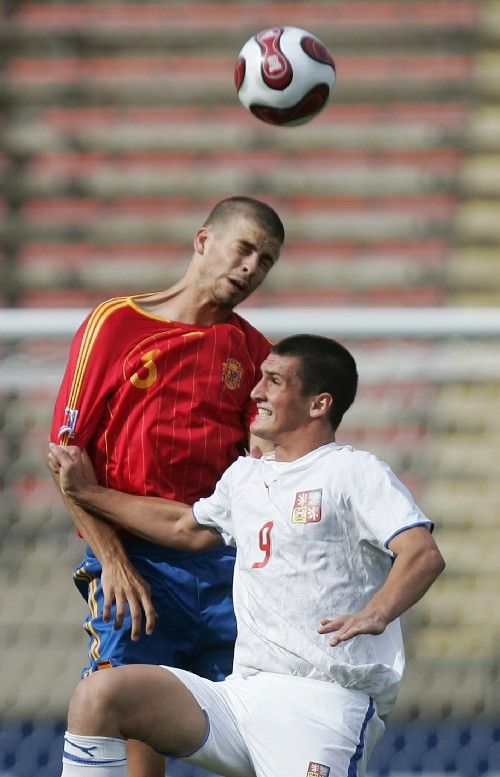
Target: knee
92	705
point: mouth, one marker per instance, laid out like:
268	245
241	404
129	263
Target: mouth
263	412
238	284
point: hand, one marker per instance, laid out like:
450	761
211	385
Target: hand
68	463
123	585
352	625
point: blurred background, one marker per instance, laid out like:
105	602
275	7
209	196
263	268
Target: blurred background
120	128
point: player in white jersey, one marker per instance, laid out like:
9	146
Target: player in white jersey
331	550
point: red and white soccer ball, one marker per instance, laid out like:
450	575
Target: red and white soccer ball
284	75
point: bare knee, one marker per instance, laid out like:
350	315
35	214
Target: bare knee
93	706
140	702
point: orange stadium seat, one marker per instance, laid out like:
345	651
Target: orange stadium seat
381	13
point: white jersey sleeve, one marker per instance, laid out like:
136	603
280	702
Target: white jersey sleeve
382	504
215	511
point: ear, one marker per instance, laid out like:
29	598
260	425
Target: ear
321	405
200	240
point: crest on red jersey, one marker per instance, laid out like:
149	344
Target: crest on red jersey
307	507
232	373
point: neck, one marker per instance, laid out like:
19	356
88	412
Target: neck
295	446
183	302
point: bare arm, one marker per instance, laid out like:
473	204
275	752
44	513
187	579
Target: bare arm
121	583
168	522
417	564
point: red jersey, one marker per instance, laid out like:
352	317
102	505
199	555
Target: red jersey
162	407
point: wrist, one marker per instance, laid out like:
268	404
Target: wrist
378	614
82	494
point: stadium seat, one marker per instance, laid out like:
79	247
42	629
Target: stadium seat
459	602
435	689
28	412
466	408
459	642
456	504
451	455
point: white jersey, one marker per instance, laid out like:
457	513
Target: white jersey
311	539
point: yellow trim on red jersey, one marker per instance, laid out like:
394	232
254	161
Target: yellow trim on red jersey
94	324
82	574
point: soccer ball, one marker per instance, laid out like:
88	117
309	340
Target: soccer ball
284	75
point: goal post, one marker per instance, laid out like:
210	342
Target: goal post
26	323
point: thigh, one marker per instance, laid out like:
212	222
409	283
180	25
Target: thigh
143	703
224	750
307	728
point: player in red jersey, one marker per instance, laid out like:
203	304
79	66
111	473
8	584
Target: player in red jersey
157	389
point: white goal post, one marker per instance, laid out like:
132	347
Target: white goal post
390	345
36	324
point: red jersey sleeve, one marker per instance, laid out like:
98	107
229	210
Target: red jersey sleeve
88	379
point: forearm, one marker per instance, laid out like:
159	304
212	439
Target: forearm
411	575
99	534
158	520
162	521
122	585
417	564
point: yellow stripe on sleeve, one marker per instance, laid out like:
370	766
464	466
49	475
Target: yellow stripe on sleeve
94	324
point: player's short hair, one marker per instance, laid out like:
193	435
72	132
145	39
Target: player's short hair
257	210
325	366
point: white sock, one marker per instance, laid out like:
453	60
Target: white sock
93	756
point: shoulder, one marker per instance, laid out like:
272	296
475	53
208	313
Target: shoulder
243	466
357	463
109	323
253	344
241	470
251	334
107	313
368	475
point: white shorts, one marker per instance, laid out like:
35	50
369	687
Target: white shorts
268	725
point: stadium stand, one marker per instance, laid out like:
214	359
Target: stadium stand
120	128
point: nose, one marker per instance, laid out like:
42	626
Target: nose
257	392
250	264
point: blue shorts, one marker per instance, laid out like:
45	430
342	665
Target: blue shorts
191	592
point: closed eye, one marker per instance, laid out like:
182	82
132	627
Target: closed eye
245	247
266	262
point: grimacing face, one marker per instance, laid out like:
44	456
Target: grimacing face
281	406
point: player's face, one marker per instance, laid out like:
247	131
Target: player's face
281	407
238	257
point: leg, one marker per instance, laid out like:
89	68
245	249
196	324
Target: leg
109	647
141	702
310	727
217	626
143	761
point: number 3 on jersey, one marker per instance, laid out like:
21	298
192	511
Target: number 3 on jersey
264	544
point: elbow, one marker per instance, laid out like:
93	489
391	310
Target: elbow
183	537
436	563
198	540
